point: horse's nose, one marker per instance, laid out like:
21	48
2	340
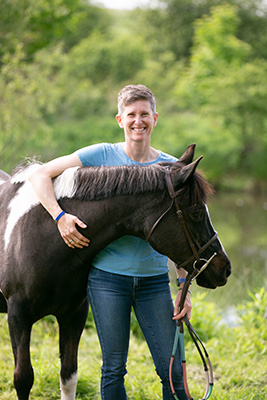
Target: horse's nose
228	269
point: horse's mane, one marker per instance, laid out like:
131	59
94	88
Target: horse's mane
95	183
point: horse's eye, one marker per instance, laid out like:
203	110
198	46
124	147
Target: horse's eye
196	214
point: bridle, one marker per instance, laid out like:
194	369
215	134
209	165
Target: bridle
199	265
193	243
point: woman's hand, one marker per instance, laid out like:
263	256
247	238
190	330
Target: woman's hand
71	236
187	306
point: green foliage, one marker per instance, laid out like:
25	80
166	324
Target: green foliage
253	316
27	96
223	84
69	136
62	64
237	354
173	24
116	58
95	67
36	24
206	327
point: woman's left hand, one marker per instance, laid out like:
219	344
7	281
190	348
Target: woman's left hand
186	309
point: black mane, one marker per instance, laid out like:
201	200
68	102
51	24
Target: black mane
95	183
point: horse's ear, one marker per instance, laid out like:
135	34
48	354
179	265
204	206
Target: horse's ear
185	173
188	155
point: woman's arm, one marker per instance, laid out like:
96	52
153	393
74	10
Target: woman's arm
181	273
41	181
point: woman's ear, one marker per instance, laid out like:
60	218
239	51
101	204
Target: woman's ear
155	117
119	120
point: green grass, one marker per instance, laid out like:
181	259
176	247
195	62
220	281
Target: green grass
238	355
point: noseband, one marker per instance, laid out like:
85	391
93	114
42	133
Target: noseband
199	263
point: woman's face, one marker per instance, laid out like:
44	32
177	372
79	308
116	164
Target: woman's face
138	121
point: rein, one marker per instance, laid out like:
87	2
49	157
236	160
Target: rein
179	338
199	265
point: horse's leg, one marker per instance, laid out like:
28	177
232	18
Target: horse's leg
70	330
20	333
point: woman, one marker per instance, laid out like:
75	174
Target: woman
128	273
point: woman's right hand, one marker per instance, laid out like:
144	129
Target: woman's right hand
71	236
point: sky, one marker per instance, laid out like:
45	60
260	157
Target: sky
121	4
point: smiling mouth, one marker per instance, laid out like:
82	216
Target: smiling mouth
139	130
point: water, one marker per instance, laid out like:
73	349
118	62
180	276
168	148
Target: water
241	222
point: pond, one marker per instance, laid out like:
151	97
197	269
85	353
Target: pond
241	222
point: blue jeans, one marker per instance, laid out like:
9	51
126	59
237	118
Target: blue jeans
111	298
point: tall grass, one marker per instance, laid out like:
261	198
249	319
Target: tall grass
238	354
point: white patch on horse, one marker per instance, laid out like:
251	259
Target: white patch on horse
25	198
64	184
68	389
22	202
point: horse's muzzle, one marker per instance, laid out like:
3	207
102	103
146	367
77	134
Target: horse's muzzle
217	273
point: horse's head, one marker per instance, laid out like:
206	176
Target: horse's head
187	223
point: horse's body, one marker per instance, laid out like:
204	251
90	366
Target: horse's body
40	275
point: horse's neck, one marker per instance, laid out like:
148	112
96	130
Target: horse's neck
135	213
121	215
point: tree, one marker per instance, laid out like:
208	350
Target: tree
35	36
229	87
170	27
36	24
27	97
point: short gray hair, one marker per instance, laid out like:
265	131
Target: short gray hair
131	93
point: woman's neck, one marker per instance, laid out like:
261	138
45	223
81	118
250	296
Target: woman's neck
140	153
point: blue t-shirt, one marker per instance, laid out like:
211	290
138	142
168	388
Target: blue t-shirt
128	255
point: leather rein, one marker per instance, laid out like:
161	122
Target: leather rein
199	265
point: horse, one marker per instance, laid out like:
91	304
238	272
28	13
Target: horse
40	275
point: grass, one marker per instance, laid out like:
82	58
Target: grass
238	355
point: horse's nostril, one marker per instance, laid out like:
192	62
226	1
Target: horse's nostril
228	270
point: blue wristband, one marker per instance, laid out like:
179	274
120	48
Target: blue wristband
180	280
59	216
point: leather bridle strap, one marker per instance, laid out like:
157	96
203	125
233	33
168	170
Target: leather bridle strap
193	243
179	212
190	237
201	250
157	221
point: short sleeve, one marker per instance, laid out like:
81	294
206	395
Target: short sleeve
93	156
